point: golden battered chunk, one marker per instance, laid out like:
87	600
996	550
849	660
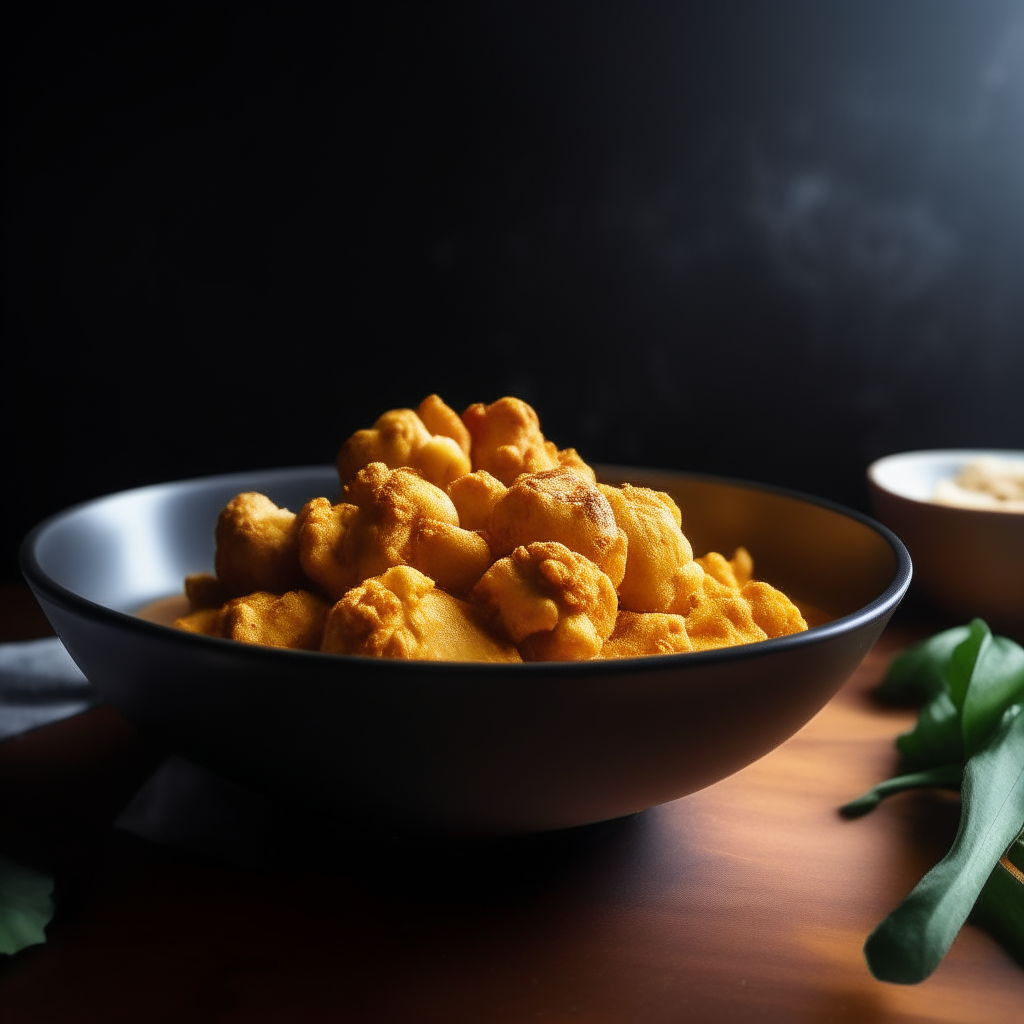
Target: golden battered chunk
719	616
401	614
400	438
391	517
772	610
559	505
257	547
569	458
554	603
734	572
507	440
656	548
637	635
474	496
723	612
208	621
294	619
205	591
441	419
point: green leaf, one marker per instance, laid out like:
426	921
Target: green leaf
996	682
1015	854
908	945
921	671
946	777
26	906
964	659
937	736
1000	911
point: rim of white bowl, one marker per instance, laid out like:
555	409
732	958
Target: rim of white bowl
913	475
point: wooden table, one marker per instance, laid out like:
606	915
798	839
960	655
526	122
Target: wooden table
749	901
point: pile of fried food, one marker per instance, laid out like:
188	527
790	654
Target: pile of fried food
473	538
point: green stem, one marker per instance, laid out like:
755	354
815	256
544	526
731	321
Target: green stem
947	776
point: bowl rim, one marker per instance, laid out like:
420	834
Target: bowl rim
928	456
885	602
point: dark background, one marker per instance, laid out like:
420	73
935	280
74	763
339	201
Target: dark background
772	240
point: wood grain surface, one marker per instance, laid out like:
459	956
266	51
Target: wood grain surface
748	901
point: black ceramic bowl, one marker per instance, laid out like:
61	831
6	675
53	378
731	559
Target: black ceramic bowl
462	747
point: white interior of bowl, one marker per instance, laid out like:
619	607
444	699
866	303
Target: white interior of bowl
915	475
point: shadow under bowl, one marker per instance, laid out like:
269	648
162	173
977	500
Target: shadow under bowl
462	748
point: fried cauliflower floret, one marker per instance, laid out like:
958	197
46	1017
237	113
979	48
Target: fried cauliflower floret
390	517
474	497
204	590
507	441
772	610
294	619
443	421
401	614
734	572
208	621
656	550
400	438
558	505
722	611
639	634
555	604
257	547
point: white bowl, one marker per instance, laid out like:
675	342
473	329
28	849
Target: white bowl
968	561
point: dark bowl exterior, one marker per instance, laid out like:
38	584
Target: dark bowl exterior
465	748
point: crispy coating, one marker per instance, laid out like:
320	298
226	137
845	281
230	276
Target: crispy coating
257	547
400	438
639	634
474	497
555	604
204	590
208	621
401	614
391	517
559	505
294	619
772	610
442	420
507	440
734	572
656	549
724	607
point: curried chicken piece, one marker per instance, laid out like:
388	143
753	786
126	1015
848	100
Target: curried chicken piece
257	548
656	549
638	634
559	505
294	619
474	496
400	438
401	614
555	604
507	441
390	517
